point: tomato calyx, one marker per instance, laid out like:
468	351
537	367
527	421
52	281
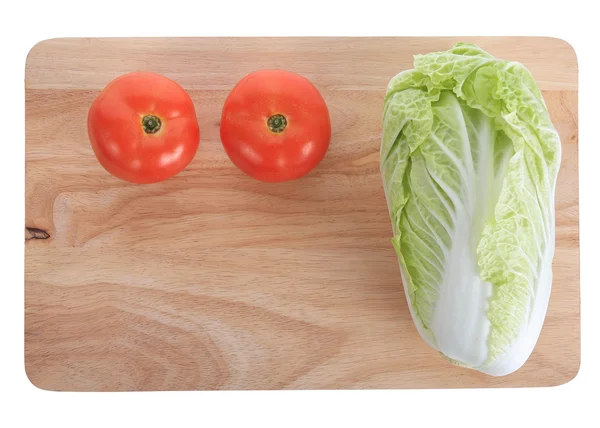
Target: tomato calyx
277	123
151	124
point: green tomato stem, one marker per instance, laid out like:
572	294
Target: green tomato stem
277	123
151	124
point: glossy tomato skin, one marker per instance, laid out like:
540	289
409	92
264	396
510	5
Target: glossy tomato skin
123	131
275	156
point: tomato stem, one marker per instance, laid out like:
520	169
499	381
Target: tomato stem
151	124
277	123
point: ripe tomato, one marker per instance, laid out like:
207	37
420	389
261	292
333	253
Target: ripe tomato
143	128
275	126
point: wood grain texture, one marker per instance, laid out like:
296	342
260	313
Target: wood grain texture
211	280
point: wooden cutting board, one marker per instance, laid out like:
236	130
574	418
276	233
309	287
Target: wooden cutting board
212	280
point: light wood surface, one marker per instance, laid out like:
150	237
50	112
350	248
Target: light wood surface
211	280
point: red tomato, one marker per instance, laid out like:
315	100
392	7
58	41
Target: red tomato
275	126
143	128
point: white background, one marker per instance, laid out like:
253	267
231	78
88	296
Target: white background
23	24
